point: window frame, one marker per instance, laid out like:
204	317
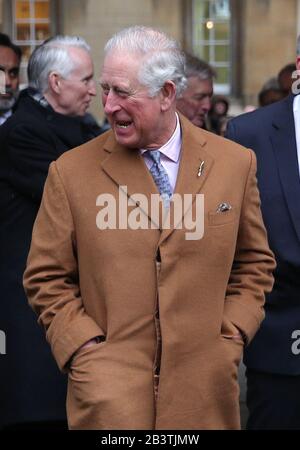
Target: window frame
212	43
32	43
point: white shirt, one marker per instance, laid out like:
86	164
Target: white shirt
296	110
170	155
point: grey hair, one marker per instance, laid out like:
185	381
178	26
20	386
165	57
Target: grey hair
196	67
161	57
51	56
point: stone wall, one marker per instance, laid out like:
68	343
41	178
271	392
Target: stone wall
269	41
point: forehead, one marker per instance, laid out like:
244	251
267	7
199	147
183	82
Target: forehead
8	58
198	86
120	68
82	60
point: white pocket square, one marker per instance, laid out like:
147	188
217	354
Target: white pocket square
224	207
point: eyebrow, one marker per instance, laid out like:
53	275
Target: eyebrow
9	69
88	77
115	87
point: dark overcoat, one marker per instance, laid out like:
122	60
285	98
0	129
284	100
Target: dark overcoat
31	387
270	132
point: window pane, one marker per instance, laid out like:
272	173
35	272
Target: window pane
198	33
201	9
202	32
222	75
221	53
221	31
212	35
220	9
22	10
42	10
23	31
42	31
203	52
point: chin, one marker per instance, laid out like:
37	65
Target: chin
7	103
198	123
126	142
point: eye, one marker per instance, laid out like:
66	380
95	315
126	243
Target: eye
14	73
199	98
105	89
121	93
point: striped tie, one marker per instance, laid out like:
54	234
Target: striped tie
160	177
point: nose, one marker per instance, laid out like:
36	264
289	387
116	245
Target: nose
92	88
206	104
8	78
110	103
2	82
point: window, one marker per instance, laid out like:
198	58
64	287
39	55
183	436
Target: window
31	24
211	38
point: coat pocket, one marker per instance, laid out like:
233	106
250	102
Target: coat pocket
222	218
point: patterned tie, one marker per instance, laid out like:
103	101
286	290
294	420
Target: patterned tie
160	177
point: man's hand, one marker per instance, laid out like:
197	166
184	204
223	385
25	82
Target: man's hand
238	335
94	341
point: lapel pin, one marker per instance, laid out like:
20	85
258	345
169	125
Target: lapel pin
201	167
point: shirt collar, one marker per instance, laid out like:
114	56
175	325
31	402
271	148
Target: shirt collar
171	149
296	105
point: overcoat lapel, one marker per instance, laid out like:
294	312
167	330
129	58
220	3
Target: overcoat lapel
285	149
126	167
190	177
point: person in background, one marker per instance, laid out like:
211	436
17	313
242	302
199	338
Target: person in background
195	101
270	93
46	123
10	60
272	359
149	325
223	122
219	109
285	78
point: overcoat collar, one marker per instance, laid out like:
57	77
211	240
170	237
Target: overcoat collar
126	167
283	140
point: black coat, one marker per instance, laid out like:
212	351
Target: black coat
31	387
270	132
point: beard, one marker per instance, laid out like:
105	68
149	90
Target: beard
7	103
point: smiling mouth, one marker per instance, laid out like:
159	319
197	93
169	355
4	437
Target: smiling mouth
123	124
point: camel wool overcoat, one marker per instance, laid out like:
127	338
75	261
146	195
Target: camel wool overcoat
85	281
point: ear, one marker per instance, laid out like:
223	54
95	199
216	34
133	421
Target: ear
54	80
168	95
298	63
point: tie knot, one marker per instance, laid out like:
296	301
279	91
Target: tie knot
155	155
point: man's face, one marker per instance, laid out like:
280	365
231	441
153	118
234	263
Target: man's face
9	63
138	120
195	101
77	90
